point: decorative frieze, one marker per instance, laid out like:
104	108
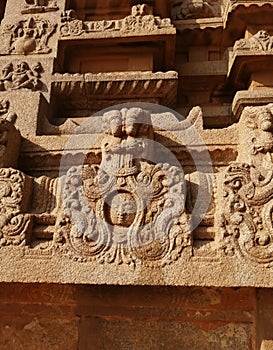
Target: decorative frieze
140	22
116	87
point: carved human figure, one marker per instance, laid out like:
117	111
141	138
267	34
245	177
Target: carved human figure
5	113
22	76
6	74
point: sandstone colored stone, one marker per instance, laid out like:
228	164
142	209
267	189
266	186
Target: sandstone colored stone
125	224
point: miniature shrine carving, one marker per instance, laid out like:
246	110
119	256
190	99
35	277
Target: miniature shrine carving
27	37
21	77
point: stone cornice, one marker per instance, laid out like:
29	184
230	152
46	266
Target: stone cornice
90	88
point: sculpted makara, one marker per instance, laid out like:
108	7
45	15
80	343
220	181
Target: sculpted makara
246	221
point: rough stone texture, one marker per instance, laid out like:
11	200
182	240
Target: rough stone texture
136	195
38	317
88	317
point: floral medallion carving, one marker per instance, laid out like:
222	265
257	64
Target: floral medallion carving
247	218
127	209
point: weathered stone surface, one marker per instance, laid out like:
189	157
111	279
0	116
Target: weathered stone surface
136	194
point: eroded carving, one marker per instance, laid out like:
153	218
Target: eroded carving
140	20
27	37
6	113
126	210
193	9
14	225
38	6
247	218
260	41
22	76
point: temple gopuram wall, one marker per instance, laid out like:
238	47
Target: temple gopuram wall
136	174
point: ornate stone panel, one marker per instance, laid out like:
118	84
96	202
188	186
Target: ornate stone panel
126	210
29	36
246	219
141	21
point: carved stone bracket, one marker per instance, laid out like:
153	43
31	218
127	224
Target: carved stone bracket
27	37
99	89
246	217
140	22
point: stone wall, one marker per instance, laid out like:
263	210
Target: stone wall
136	182
40	316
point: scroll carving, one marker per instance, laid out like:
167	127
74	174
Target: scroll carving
27	37
21	77
15	226
260	41
140	20
38	6
125	210
246	221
